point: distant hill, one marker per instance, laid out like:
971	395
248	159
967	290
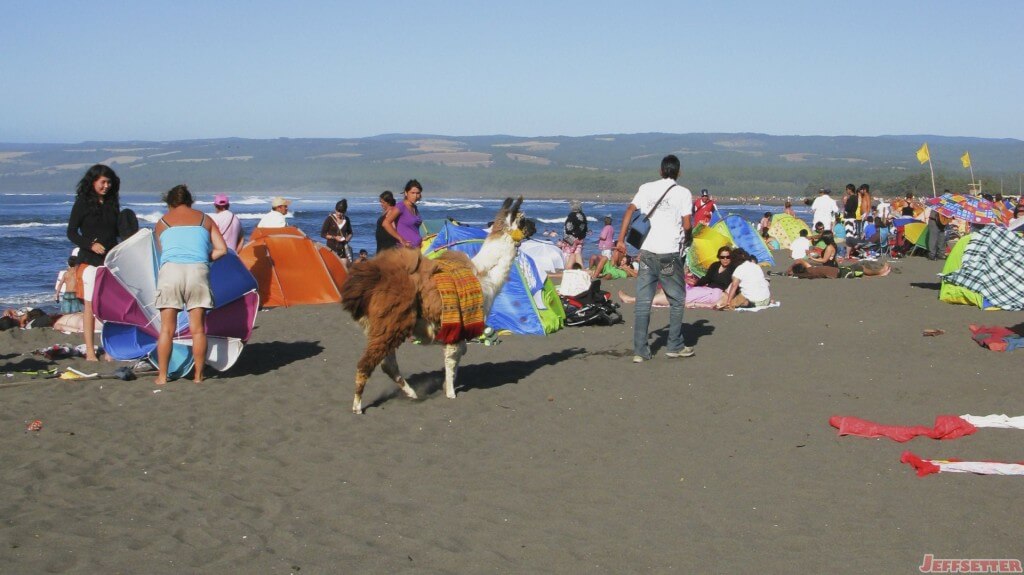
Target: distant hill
612	164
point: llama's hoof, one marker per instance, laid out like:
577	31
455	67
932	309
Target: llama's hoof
357	407
409	392
449	394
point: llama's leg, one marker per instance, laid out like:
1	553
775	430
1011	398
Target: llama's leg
390	367
375	352
452	354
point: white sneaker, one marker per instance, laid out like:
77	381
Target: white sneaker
685	352
638	359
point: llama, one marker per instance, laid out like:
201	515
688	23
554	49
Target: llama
395	295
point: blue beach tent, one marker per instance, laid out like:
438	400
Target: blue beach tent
527	304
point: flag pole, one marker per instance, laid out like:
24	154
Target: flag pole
932	169
971	166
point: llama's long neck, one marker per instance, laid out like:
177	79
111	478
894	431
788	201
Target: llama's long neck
493	263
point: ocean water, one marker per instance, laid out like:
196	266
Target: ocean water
34	245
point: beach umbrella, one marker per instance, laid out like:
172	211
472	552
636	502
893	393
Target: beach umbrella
124	300
704	251
969	208
1016	225
917	234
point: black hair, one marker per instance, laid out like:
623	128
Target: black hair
528	227
803	233
178	196
364	253
341	206
388	197
828	237
413	184
86	191
768	215
72	261
851	187
670	167
726	249
865	187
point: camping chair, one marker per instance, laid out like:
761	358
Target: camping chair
884	246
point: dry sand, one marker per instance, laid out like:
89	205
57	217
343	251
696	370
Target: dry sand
558	456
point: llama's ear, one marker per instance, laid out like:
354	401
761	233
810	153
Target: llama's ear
506	204
515	207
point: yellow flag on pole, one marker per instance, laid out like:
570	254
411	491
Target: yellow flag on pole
922	154
966	159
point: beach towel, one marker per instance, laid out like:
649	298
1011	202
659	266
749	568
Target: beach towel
760	307
997	338
462	302
993	265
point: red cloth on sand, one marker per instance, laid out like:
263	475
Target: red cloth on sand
946	427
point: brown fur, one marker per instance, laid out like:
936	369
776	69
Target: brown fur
389	295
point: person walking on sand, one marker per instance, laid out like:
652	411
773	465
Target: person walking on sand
337	230
660	259
824	208
187	241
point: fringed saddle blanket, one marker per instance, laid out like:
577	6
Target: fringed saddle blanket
462	302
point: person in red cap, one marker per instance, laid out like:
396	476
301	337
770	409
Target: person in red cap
228	223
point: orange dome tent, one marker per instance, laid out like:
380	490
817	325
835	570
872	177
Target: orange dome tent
292	269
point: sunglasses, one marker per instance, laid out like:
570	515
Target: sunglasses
725	257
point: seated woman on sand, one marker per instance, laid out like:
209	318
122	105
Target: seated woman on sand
827	265
703	293
749	287
620	266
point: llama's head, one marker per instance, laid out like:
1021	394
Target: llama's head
511	222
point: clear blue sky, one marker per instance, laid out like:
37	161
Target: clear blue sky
154	70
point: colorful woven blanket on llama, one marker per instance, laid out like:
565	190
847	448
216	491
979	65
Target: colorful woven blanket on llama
462	302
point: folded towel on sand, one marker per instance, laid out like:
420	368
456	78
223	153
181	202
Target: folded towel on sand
760	307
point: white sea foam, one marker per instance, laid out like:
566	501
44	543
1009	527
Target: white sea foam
33	299
448	204
250	201
32	225
14	194
259	215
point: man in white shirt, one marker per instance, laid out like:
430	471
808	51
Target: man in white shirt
670	207
824	208
798	247
275	217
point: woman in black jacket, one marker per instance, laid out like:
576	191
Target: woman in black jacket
93	228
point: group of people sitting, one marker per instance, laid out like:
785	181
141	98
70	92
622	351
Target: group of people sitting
821	259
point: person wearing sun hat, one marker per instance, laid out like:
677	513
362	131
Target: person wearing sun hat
228	223
275	217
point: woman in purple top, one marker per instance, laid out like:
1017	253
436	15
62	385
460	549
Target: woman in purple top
402	222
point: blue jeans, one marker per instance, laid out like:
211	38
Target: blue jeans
667	269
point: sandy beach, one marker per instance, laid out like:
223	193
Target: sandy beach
558	456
